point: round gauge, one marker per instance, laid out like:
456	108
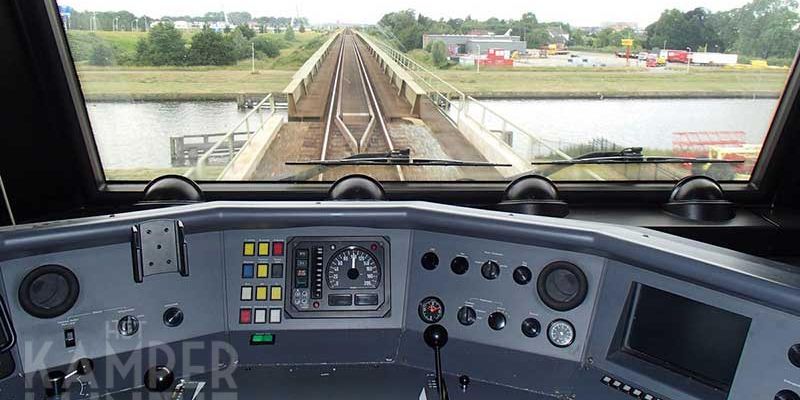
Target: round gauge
353	268
431	310
561	333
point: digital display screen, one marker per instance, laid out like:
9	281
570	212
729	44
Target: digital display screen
686	336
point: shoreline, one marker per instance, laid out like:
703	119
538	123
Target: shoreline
152	97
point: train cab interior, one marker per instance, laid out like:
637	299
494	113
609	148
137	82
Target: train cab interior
393	224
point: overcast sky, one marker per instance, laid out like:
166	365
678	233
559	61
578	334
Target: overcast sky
575	12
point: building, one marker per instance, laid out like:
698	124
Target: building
476	44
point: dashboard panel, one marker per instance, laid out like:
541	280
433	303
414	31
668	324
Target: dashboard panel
535	308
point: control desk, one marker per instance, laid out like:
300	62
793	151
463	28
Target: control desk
365	299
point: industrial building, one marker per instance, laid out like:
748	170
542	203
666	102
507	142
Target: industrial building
476	44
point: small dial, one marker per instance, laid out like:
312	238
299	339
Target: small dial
561	333
490	270
353	268
466	315
431	310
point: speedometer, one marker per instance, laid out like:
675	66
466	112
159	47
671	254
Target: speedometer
353	268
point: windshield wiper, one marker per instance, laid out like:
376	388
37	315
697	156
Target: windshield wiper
396	157
633	155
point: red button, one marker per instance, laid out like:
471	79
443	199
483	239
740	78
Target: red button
277	249
245	315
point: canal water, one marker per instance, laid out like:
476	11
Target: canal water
136	135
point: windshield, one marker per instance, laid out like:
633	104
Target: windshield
241	90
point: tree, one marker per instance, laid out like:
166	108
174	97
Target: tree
289	34
239	17
241	45
246	31
101	55
439	53
302	29
164	45
211	48
768	28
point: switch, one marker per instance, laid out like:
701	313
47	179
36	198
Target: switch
616	384
263	248
261	293
277	249
275	315
258	339
340	300
607	380
249	249
626	388
245	315
247	270
369	299
247	293
301	253
260	316
262	270
637	393
69	337
649	397
276	293
277	271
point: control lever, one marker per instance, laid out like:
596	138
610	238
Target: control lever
435	337
56	379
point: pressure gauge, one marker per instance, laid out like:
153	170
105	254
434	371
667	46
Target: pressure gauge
431	310
561	333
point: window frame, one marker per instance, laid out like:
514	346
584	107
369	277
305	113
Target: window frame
758	190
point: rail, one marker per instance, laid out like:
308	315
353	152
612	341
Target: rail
198	172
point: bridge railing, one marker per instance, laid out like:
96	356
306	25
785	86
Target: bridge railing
522	142
301	79
252	122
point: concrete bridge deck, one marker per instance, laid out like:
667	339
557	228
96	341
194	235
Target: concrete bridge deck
339	90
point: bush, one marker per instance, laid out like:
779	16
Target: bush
246	31
241	45
439	53
289	34
268	46
101	55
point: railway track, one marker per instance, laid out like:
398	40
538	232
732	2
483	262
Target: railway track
354	120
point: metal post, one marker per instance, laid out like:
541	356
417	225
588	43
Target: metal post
246	127
253	50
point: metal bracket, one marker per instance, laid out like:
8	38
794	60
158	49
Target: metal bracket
158	247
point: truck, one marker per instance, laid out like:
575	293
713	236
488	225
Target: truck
715	59
675	56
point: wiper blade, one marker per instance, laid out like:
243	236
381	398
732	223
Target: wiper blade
397	157
633	155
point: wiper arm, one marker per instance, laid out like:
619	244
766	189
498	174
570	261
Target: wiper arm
396	157
633	155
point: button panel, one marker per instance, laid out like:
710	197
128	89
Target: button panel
627	388
262	280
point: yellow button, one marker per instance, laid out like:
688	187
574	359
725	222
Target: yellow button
261	293
249	249
275	293
262	271
263	248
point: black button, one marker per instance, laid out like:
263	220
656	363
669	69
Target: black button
430	261
277	271
369	299
459	265
497	320
340	300
531	327
522	275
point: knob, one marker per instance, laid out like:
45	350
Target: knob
794	355
128	325
430	261
435	336
786	395
84	366
459	265
158	378
531	327
490	270
463	380
466	315
497	320
522	275
173	317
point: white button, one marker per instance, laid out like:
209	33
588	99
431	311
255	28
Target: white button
247	293
275	316
648	397
261	316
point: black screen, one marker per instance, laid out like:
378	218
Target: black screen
686	336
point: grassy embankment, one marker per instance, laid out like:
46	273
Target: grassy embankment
211	83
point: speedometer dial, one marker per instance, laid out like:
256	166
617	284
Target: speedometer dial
353	268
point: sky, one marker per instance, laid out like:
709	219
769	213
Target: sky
574	12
